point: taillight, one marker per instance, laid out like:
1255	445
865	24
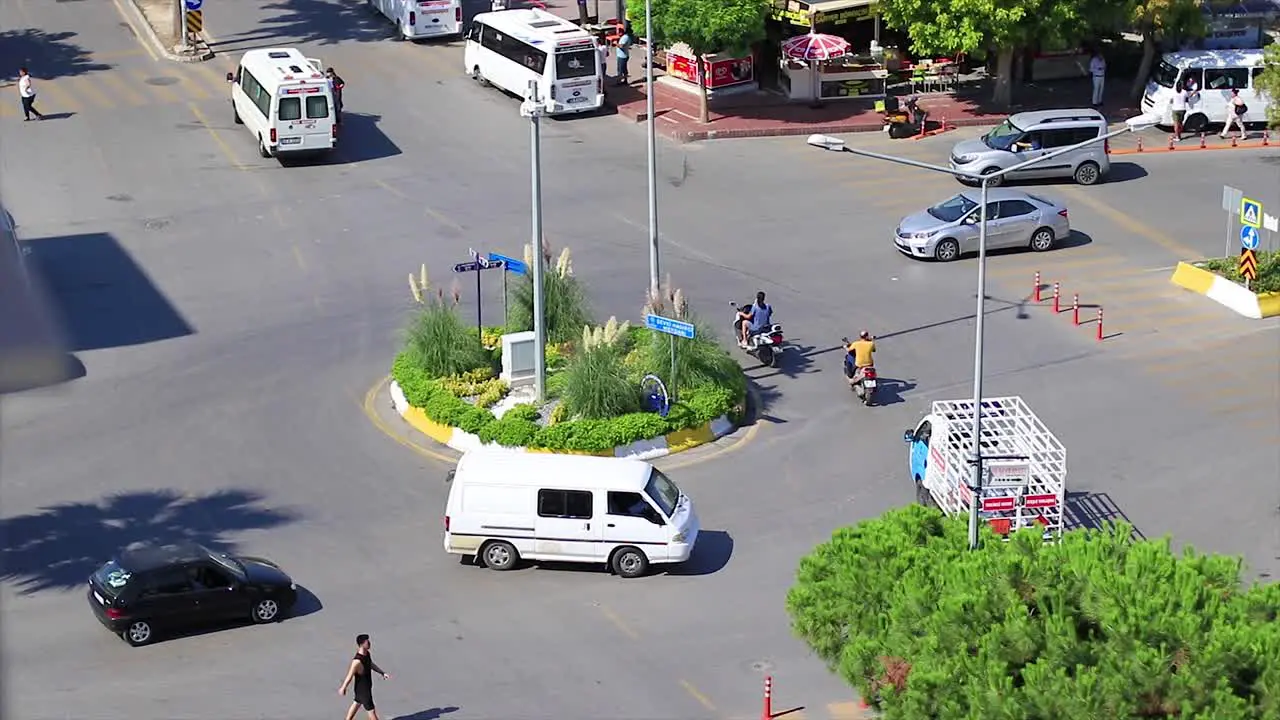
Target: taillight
600	84
457	15
1106	146
446	523
333	131
114	614
553	92
869	373
777	338
273	135
413	18
1063	212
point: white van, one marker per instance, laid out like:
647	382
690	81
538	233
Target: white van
509	48
284	99
507	506
1214	73
418	19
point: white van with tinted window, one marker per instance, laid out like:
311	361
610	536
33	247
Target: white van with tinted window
505	507
284	100
1210	76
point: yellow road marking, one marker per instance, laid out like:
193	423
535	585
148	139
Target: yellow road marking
431	212
137	33
873	180
618	623
165	93
122	90
1134	227
696	695
222	144
210	78
370	398
62	99
88	86
1049	267
9	110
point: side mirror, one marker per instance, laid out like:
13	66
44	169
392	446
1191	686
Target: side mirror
231	77
908	436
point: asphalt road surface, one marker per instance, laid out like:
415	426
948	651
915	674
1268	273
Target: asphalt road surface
228	317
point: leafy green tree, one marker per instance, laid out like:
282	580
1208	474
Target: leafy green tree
947	27
1156	20
707	27
1269	82
1095	626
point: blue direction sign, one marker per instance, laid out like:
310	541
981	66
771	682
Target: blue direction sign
679	328
511	264
1249	239
194	4
1250	212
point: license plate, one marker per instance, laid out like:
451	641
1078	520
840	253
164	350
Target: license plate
579	99
869	383
98	597
290	141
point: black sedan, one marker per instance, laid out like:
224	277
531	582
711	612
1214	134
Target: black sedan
148	589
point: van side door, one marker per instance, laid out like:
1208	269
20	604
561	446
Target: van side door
630	519
567	525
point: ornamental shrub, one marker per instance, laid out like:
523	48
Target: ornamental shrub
1094	627
437	341
638	426
523	411
509	431
596	386
1268	270
578	436
565	306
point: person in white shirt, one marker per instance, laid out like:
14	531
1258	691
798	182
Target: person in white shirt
27	92
1098	72
1235	115
1179	107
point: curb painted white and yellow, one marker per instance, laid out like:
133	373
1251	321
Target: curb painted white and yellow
463	441
1226	293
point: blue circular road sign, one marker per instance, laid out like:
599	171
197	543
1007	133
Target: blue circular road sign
1249	238
194	4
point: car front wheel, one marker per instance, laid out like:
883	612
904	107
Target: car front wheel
947	250
138	633
266	610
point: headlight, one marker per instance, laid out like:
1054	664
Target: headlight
293	586
921	235
964	159
678	538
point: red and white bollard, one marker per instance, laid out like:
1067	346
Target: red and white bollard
1075	308
1233	141
1036	290
767	712
1139	144
1057	295
1170	142
1202	145
1099	324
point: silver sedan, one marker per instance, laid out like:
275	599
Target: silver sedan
1014	219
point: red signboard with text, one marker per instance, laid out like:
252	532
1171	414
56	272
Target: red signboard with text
723	73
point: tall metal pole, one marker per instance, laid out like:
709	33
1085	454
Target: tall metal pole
535	161
180	22
975	458
654	270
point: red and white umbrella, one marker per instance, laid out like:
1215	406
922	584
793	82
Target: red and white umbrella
815	47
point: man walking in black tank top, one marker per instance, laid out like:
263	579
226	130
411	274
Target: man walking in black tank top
361	673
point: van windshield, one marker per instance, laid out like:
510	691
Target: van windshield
1165	75
1002	136
663	492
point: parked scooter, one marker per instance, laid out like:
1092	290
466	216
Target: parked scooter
864	387
765	345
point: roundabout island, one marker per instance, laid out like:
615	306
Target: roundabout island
612	389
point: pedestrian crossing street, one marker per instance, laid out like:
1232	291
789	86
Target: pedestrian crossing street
127	86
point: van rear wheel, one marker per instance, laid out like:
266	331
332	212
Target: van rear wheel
1195	124
1088	174
629	562
479	77
263	150
235	114
499	555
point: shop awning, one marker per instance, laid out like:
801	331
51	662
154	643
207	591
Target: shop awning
828	12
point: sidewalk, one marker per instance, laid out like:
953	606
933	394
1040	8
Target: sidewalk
765	114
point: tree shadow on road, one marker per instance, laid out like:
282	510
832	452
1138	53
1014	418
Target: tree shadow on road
48	55
58	547
311	21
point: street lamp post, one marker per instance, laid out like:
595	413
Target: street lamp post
652	150
532	108
826	142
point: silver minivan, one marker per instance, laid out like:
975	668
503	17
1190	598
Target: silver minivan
1031	134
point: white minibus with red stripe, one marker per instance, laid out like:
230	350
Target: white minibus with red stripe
421	19
509	48
284	100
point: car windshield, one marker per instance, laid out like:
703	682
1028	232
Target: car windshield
1165	75
663	492
112	578
953	209
229	563
1002	136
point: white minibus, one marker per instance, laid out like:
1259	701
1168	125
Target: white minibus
418	19
284	99
1211	74
509	48
507	506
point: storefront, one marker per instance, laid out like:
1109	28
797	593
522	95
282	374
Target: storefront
862	73
724	70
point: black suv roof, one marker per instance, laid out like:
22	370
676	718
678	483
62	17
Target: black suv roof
142	557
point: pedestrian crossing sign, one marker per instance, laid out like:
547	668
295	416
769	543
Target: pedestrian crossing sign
1250	213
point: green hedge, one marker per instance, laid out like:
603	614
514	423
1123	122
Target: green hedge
1268	271
697	406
